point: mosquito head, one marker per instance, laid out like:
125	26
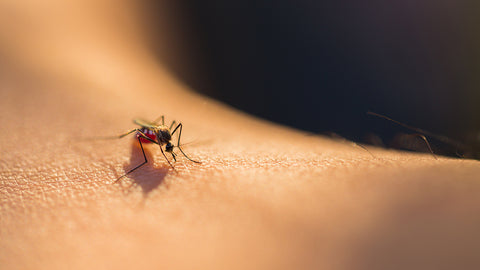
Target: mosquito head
169	147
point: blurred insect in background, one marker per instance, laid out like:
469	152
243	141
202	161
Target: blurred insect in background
463	150
152	132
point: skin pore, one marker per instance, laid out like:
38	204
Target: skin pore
265	196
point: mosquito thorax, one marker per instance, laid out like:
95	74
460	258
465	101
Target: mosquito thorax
163	134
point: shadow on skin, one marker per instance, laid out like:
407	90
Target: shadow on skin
147	176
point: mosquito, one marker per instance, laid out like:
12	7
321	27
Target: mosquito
424	133
160	134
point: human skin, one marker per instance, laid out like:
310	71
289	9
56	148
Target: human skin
264	196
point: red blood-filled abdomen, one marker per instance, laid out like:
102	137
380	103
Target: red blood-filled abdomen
147	133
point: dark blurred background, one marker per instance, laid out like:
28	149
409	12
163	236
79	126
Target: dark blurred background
321	65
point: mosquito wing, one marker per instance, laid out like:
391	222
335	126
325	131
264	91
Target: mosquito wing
144	123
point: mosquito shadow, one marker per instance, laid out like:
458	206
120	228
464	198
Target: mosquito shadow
148	177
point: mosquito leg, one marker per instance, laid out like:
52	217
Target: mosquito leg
460	155
178	143
125	134
336	136
173	124
158	119
364	148
163	153
145	162
109	137
179	126
426	142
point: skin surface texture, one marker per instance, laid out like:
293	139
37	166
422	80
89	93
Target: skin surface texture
264	197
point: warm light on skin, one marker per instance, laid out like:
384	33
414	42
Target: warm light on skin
87	39
265	196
